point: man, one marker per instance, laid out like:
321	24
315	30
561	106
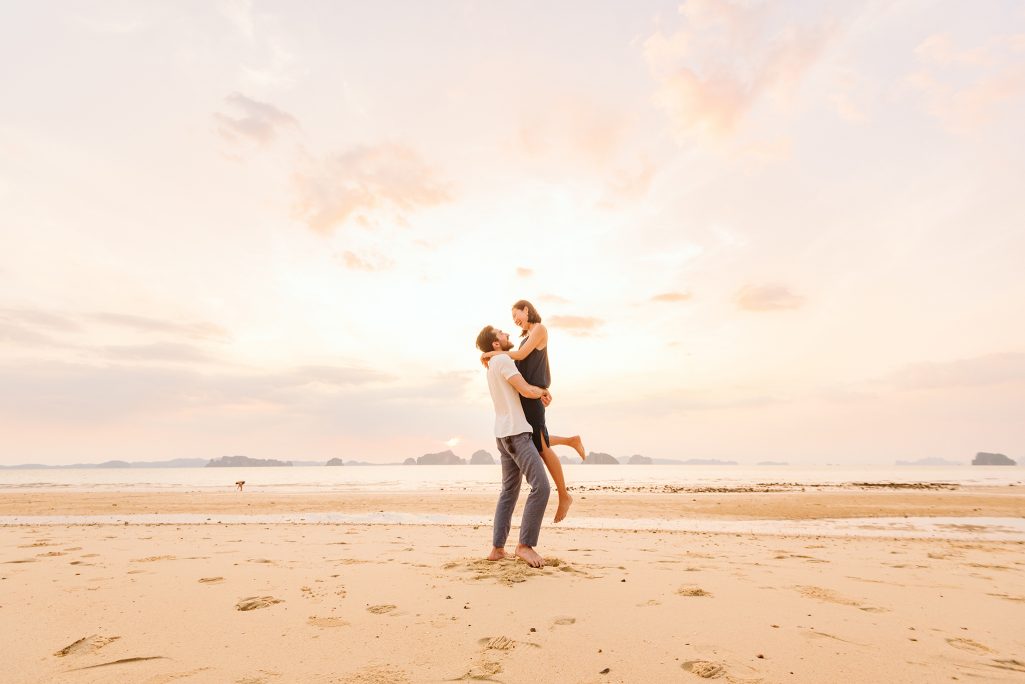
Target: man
518	454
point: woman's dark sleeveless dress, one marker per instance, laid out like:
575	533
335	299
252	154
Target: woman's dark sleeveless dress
534	370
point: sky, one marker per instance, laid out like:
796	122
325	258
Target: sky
756	230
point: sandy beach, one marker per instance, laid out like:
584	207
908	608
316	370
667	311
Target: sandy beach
267	603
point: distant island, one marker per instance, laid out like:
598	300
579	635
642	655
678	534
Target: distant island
931	461
637	459
440	458
482	457
335	462
245	462
599	458
772	463
983	458
173	463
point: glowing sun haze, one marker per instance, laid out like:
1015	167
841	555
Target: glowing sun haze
756	230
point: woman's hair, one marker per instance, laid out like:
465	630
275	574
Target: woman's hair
532	315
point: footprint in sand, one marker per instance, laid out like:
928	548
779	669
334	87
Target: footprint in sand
968	645
498	643
692	591
704	668
381	609
326	621
565	620
1009	597
1012	665
89	644
377	675
484	671
256	602
830	596
211	580
150	559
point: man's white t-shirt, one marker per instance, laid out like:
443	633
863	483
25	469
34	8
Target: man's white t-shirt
509	418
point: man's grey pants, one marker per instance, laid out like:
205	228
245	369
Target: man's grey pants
519	459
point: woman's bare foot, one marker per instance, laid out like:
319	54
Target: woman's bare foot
532	558
565	501
577	444
497	554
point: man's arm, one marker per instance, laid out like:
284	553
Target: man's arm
526	389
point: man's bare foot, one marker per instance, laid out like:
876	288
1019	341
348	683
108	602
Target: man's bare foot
498	554
577	444
530	556
565	501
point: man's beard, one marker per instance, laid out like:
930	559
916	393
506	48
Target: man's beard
507	346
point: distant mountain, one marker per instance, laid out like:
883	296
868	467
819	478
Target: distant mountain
335	462
173	463
440	458
637	459
409	461
599	458
246	462
931	461
983	458
482	457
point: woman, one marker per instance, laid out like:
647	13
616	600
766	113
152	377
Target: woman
532	362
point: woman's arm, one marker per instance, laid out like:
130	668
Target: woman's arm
537	336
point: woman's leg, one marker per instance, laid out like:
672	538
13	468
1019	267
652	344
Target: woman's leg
573	442
554	466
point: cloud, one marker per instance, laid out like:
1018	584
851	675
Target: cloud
12	333
524	272
156	352
582	326
964	87
362	182
990	369
197	330
239	13
40	319
370	263
627	186
258	123
49	391
726	57
574	131
552	299
767	298
672	297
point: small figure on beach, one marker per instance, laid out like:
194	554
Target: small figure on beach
532	361
239	483
519	456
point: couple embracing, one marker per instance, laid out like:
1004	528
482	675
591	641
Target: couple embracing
518	381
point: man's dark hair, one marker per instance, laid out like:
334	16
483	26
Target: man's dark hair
486	339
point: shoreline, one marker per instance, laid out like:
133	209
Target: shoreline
809	504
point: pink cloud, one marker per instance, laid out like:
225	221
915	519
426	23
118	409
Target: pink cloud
259	122
582	326
672	297
361	183
725	58
964	87
767	298
365	262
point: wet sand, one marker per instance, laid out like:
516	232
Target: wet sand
798	502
